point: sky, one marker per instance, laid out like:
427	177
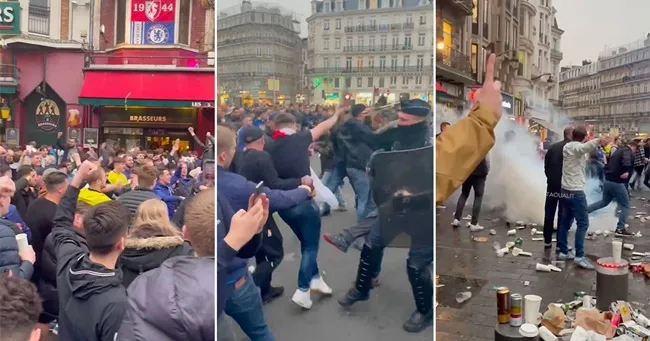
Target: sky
591	25
301	7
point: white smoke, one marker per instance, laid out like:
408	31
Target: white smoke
516	183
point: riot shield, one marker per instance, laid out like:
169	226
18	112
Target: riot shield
402	187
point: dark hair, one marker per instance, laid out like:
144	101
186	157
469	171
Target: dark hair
444	124
161	170
118	159
284	119
24	170
104	225
55	180
20	306
579	133
357	109
4	168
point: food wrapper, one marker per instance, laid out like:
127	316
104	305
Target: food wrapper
592	319
553	319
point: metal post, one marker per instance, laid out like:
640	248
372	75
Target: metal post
91	29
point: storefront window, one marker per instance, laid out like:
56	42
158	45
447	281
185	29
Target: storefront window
120	24
184	22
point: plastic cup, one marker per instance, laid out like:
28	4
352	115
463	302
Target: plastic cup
532	304
617	250
542	267
512	232
546	334
21	239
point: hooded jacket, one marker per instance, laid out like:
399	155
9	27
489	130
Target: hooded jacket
173	302
144	254
93	296
358	142
9	257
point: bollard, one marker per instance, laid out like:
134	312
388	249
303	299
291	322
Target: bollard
611	282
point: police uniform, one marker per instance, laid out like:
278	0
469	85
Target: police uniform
419	259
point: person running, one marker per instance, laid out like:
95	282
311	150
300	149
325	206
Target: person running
619	168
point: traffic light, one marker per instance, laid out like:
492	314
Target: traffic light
347	97
317	82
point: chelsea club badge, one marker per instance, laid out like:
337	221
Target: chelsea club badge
158	34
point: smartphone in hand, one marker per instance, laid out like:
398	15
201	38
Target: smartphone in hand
258	191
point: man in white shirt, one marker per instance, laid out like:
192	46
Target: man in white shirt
575	155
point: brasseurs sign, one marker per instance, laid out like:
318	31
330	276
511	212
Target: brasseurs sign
9	17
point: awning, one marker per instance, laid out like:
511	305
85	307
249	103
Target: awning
169	89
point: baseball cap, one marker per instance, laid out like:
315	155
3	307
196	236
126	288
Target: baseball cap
252	134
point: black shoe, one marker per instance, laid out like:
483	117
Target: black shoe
353	296
325	213
417	322
337	241
272	294
623	233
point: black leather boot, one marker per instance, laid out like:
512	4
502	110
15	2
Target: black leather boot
422	287
368	264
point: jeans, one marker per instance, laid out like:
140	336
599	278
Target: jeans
574	206
617	192
636	178
550	207
361	184
478	184
304	221
596	170
244	305
337	192
334	182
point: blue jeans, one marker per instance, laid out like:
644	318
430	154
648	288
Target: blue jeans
337	192
361	184
334	181
574	206
244	305
617	192
304	221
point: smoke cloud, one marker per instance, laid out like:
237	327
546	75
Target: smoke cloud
516	183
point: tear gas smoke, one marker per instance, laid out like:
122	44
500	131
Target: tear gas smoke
516	183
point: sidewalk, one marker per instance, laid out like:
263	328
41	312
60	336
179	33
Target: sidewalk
462	263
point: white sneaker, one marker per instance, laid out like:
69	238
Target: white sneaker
318	284
455	223
302	298
474	228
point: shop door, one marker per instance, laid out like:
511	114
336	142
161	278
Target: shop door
164	138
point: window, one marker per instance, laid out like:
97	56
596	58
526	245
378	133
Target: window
371	62
360	43
184	14
420	63
383	41
393	80
409	19
474	58
407	41
359	82
381	82
359	62
338	24
371	44
337	44
382	63
348	63
421	39
406	61
348	82
485	19
348	43
120	24
326	44
418	80
395	43
370	82
393	63
405	80
326	25
337	81
423	19
447	29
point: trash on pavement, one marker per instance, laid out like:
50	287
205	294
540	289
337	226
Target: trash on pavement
480	239
512	232
538	239
463	296
493	232
628	246
542	267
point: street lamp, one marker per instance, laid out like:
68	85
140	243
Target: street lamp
440	45
5	111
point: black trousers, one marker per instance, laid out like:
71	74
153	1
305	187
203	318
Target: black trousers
551	206
268	257
478	184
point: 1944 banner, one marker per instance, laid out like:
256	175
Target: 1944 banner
158	11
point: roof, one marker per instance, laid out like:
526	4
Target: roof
32	39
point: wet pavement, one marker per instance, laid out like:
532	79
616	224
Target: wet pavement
466	265
378	319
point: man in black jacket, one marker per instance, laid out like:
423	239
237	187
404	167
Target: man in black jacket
144	178
475	181
553	170
92	299
257	165
617	173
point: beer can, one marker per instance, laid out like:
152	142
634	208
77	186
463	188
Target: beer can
503	305
516	310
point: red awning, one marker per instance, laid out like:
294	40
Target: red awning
147	88
439	88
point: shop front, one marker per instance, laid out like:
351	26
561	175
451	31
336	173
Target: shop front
507	103
147	128
150	109
366	98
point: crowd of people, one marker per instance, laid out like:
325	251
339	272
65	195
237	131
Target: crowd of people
263	154
107	244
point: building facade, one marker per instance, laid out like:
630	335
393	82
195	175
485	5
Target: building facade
539	54
621	104
580	92
365	49
454	71
259	55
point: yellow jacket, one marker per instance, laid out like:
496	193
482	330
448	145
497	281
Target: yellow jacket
461	148
92	197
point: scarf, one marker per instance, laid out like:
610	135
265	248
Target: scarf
284	132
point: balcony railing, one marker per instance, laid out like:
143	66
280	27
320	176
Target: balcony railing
255	39
454	59
465	6
555	54
232	75
250	56
384	69
162	62
381	48
38	20
379	28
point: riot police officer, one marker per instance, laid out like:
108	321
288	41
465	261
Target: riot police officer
412	131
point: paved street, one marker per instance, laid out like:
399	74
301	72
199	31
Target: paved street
463	263
379	319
